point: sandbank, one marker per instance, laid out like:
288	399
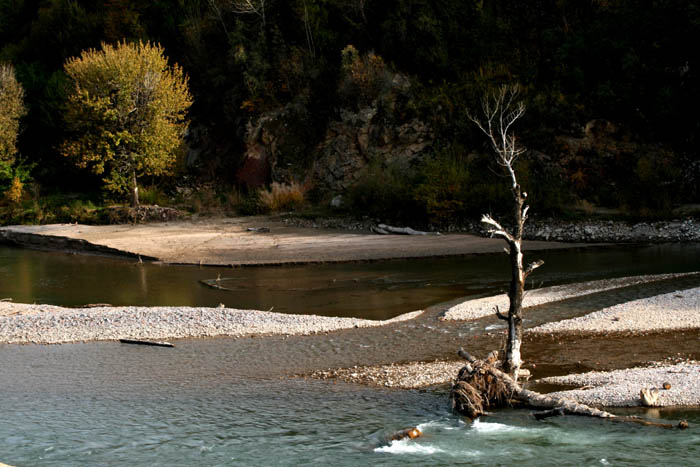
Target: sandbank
229	242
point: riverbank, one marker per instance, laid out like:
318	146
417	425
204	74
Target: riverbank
671	311
250	241
24	323
682	229
618	388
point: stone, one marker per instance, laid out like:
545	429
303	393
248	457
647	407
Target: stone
337	201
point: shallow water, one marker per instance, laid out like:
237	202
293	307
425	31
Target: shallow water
198	404
376	290
233	402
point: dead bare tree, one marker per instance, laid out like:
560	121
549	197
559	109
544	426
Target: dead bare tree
482	384
501	109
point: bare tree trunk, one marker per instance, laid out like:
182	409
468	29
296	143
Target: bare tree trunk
500	113
134	190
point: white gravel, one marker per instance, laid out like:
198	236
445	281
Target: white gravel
410	375
47	324
675	310
620	388
480	307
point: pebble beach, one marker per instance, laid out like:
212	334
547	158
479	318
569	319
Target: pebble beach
675	310
47	324
620	388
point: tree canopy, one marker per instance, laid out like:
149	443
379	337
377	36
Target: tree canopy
126	113
577	62
11	110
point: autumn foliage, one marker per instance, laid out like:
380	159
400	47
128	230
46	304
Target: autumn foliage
126	113
11	110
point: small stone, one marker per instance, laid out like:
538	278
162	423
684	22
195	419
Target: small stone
667	386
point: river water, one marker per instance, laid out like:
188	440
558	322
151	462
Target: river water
233	402
374	290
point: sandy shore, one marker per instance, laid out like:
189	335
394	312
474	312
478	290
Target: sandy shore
229	242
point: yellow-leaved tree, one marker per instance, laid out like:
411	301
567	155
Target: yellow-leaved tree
126	113
11	110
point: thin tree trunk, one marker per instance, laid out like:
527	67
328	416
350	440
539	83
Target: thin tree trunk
134	190
512	361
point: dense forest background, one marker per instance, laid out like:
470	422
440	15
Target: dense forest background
376	92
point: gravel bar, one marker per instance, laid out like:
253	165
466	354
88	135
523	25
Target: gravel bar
620	388
413	375
671	311
480	307
47	324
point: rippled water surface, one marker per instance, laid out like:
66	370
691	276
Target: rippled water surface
233	402
111	404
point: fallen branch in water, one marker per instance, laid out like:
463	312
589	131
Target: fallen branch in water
481	385
142	342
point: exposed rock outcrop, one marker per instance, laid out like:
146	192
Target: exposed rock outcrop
278	147
360	138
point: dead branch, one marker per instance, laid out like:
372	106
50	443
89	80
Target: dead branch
480	385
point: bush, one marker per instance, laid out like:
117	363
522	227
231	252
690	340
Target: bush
384	192
153	195
443	189
281	197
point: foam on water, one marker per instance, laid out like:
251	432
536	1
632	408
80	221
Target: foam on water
493	427
408	446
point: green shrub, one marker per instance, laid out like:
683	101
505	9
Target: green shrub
384	192
443	189
153	195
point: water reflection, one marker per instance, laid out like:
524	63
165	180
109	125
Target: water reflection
372	290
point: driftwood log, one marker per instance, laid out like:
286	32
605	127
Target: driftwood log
481	385
384	229
145	342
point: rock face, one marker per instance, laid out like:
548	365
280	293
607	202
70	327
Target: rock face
606	165
278	146
282	146
360	138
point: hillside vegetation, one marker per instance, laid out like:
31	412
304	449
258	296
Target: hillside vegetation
298	102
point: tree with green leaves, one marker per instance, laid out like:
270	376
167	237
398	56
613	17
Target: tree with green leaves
11	110
126	113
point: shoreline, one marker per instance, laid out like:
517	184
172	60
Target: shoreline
47	324
481	307
231	242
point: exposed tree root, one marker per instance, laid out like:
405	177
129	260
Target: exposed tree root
480	385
